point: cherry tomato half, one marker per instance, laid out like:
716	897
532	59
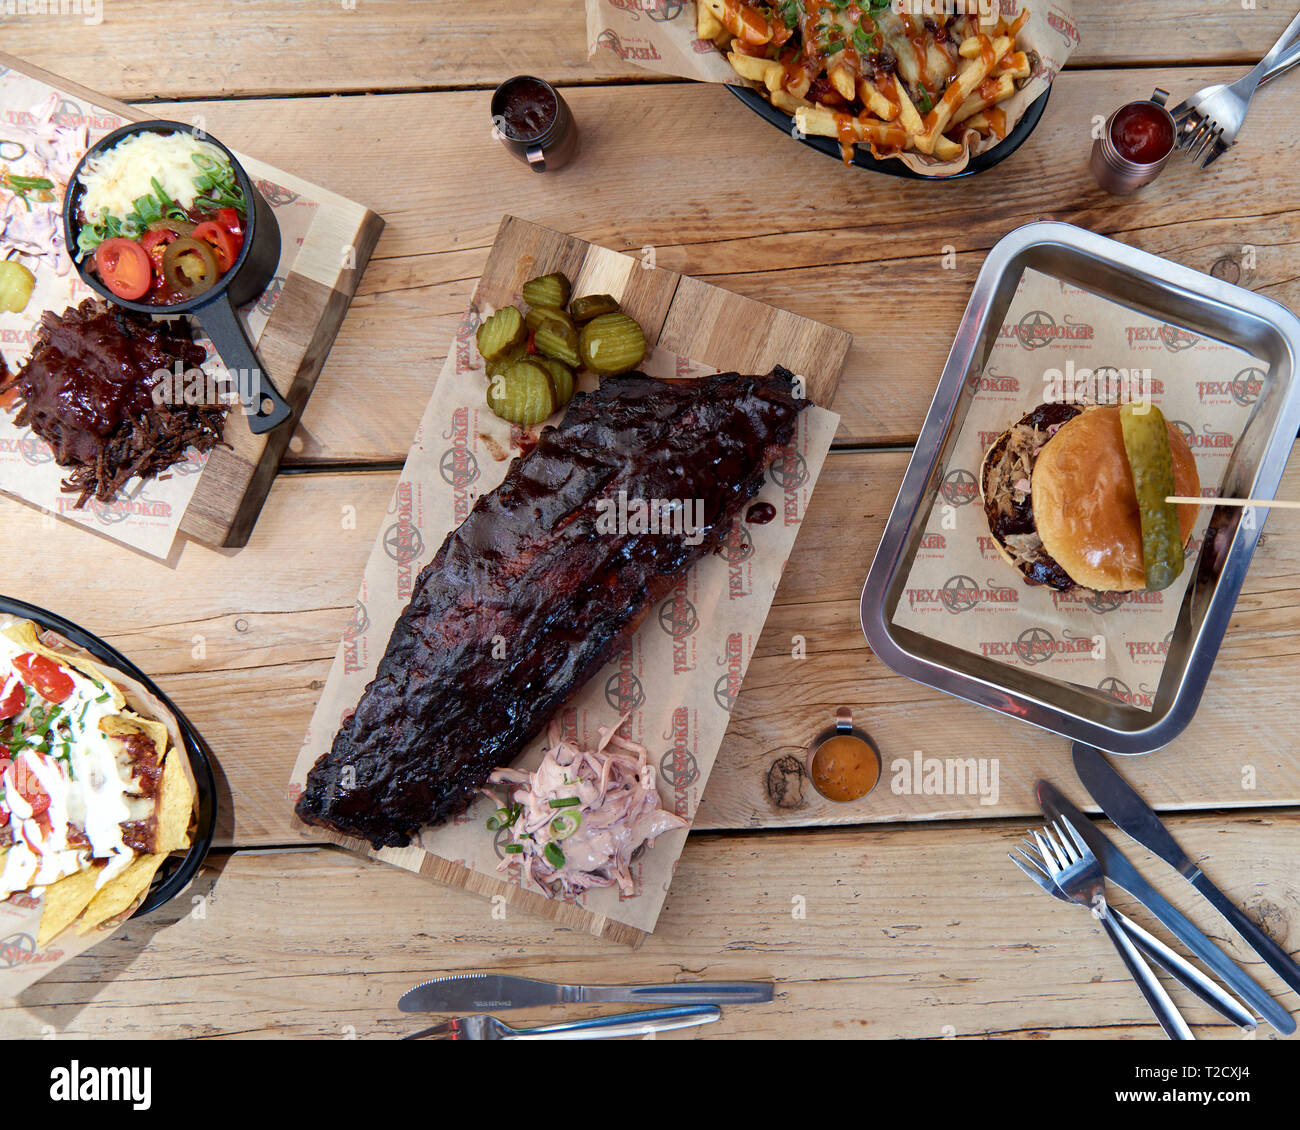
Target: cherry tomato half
223	242
231	221
12	703
51	682
124	266
29	788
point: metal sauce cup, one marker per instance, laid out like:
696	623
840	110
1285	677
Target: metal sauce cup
843	762
1118	174
546	139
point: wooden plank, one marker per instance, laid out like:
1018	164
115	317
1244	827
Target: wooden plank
297	46
243	644
313	298
681	171
917	933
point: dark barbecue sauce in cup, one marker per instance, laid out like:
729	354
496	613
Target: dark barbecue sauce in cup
528	109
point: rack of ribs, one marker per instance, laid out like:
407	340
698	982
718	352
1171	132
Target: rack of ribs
538	589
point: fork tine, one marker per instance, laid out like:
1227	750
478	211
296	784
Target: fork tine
1048	851
1211	136
1037	877
1215	153
1030	862
437	1032
1066	842
1076	837
1191	137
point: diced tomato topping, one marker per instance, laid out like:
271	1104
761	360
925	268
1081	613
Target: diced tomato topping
29	788
12	702
224	242
230	220
51	682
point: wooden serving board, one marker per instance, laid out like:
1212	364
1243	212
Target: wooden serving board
683	316
691	318
293	345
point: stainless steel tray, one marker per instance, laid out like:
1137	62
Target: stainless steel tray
1160	289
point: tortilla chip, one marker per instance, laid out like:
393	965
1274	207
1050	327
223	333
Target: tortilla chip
175	805
121	892
27	635
65	899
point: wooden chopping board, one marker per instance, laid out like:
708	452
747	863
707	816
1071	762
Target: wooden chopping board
691	319
293	345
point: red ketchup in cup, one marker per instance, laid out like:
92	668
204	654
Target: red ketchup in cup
1142	133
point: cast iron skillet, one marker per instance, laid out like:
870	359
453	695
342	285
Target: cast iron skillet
891	166
176	871
214	309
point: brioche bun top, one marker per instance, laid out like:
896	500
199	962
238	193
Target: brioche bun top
1085	506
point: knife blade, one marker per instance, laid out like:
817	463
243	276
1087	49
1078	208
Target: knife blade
1121	872
1128	811
486	992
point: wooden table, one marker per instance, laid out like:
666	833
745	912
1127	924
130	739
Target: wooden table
899	916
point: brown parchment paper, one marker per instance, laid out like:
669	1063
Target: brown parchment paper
22	962
679	676
961	592
660	35
145	515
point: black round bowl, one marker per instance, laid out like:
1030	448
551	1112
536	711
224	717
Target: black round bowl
176	871
214	309
891	166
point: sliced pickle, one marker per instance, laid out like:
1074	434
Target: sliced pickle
1146	442
611	343
593	306
499	366
523	394
16	286
549	290
538	316
501	333
557	340
561	378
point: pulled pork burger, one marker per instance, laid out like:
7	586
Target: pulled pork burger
1059	495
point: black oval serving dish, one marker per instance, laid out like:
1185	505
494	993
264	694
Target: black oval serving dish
891	166
176	871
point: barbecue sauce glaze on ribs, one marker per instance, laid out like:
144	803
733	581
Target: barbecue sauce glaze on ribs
531	566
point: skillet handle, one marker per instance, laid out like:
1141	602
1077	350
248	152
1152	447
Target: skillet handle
263	404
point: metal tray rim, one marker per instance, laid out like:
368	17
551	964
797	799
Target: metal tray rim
1039	710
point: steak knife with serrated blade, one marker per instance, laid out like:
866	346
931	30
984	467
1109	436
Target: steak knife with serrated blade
1127	810
479	992
1123	874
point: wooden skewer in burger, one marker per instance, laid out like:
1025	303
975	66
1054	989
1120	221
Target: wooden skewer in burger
1076	497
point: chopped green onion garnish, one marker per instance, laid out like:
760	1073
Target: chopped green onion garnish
564	802
564	825
513	849
554	856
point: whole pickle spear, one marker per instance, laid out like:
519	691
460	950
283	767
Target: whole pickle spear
1146	442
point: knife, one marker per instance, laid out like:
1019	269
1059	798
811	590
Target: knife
481	992
1121	872
1120	801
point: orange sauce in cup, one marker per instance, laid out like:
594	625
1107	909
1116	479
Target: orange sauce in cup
845	768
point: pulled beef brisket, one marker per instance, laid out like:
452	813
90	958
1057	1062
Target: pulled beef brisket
1006	489
87	389
536	564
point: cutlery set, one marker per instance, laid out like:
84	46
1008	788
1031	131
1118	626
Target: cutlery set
1072	859
696	1003
1208	121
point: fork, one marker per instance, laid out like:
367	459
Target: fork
598	1028
1150	946
1208	121
1075	869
